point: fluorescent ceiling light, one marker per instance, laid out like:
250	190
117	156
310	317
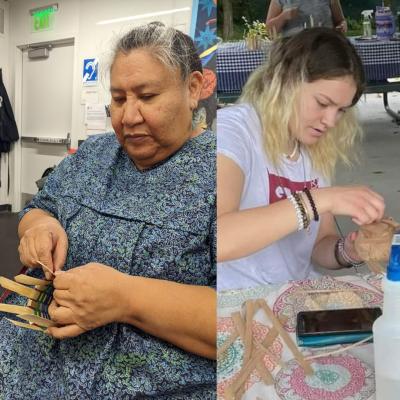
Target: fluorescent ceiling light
133	17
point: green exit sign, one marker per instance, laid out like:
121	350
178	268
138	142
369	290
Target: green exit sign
42	20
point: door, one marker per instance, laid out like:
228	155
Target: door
46	113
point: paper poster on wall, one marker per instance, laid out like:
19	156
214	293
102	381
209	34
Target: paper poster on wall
95	117
89	95
90	71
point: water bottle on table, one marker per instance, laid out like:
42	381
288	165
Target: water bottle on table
367	15
386	331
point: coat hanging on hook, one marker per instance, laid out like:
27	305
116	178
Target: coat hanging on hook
8	126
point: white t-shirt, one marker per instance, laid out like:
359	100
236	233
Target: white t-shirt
239	138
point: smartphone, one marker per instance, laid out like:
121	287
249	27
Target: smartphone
324	327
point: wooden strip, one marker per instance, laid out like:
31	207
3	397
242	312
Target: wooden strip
18	288
31	303
45	267
238	323
248	331
267	342
13	309
237	387
232	389
231	339
26	326
37	320
286	338
247	338
29	280
265	375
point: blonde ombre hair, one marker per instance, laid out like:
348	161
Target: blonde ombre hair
274	91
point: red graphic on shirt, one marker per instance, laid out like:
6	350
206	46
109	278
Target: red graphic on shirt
280	187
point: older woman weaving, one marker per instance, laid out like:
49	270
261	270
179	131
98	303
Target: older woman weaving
127	224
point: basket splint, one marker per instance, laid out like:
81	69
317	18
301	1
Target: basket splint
39	293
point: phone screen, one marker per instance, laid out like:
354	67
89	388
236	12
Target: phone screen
354	320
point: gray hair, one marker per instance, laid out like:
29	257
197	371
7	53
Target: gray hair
169	46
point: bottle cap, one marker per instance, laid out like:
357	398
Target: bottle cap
367	14
393	269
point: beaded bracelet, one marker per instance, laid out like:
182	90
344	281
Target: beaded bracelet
306	190
304	202
300	224
337	258
304	215
340	250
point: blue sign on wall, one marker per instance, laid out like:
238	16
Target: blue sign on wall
90	70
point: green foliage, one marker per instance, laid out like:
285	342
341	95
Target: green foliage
354	27
254	29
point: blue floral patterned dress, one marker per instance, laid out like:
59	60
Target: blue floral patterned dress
158	223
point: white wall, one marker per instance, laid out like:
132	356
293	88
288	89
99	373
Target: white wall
78	19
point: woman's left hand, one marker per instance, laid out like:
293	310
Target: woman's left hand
85	298
349	246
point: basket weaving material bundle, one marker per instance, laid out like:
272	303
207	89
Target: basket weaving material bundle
374	241
39	294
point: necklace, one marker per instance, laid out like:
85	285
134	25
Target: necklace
287	186
296	146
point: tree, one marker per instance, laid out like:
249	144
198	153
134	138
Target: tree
227	31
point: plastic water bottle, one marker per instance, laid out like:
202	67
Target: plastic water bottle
367	15
386	331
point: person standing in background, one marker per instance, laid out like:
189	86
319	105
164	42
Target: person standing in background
291	16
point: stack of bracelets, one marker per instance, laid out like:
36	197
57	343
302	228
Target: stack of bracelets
302	214
340	254
303	222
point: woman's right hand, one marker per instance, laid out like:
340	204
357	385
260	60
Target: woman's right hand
362	204
46	242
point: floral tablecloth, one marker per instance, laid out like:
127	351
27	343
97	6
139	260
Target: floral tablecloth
342	376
